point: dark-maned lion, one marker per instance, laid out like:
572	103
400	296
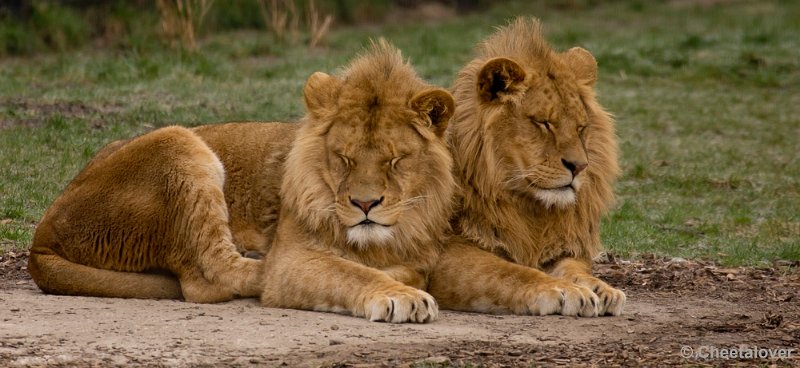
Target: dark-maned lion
536	157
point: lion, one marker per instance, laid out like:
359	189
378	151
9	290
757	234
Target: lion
536	158
367	194
146	218
361	188
165	216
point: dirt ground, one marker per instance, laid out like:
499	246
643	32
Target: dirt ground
673	305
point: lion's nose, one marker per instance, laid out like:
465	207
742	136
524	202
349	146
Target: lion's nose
574	167
367	205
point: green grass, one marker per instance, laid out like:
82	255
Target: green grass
707	101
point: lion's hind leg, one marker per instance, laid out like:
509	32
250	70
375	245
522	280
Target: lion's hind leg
222	277
208	263
198	289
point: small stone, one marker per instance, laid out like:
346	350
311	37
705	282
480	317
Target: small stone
335	342
434	360
334	327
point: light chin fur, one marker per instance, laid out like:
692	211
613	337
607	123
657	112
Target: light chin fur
560	198
364	235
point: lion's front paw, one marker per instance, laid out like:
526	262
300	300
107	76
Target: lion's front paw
401	305
562	297
611	300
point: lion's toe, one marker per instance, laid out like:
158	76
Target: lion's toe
580	301
400	307
612	301
565	299
545	302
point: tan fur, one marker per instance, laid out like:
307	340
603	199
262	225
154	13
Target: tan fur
147	211
173	202
536	156
371	147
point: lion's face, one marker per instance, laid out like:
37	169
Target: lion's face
540	136
373	171
383	161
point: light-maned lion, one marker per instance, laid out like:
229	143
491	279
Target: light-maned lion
366	195
536	157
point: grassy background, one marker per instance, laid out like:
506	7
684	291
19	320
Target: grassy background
707	99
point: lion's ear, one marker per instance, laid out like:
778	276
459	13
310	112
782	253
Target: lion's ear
437	104
498	78
582	64
320	93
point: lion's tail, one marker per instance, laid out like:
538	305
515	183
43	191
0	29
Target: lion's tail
57	275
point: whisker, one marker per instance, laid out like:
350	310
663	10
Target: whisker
408	202
520	175
330	208
513	179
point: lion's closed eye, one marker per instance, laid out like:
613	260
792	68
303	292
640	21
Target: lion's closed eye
345	160
394	161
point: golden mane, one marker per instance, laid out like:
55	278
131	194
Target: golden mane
379	79
522	40
518	227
